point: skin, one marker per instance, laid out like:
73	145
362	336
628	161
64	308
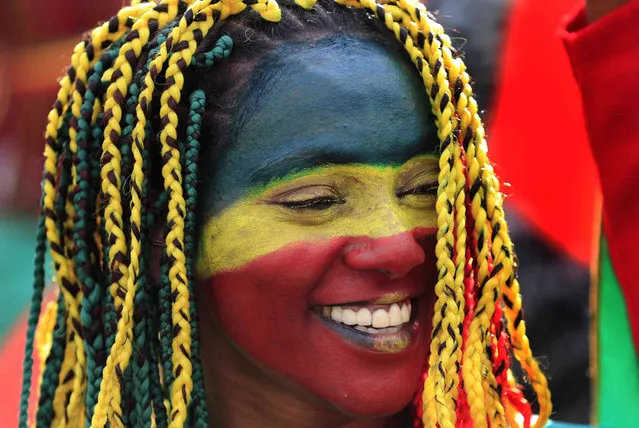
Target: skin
596	9
323	197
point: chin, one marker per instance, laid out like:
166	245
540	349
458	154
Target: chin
377	395
358	380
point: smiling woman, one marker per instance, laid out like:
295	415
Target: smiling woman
267	215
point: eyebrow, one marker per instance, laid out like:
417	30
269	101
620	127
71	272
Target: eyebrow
280	168
302	158
298	161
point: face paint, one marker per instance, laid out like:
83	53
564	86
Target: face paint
320	263
341	100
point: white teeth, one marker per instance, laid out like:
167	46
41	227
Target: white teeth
405	312
364	317
395	315
349	317
381	319
387	319
336	313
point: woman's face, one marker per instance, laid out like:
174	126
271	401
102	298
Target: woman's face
317	257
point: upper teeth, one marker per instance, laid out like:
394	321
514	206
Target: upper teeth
380	317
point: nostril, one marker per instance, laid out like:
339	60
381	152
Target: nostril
394	256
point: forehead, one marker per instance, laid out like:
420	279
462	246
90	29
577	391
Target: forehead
336	100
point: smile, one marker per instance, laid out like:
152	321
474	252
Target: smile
376	327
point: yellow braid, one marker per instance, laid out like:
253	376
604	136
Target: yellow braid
121	288
486	304
44	336
523	353
494	406
474	360
511	415
81	64
138	134
503	241
472	367
510	289
461	120
44	333
63	262
440	391
44	339
62	391
454	365
268	10
76	399
171	171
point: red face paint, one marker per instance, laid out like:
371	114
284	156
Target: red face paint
270	308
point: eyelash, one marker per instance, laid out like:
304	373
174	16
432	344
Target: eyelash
321	203
325	202
424	189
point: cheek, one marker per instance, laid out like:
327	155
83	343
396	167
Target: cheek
265	303
265	308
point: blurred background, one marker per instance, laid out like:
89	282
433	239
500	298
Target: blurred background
535	135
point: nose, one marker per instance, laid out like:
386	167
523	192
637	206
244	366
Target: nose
394	255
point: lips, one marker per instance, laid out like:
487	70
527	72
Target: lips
375	316
379	328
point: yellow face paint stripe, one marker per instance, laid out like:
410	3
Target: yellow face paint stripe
260	223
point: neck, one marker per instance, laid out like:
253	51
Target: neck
241	394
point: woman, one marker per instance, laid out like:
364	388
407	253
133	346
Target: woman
279	168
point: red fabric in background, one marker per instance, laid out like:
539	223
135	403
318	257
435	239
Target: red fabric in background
536	137
11	359
605	59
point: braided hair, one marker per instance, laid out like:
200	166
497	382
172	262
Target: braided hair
123	140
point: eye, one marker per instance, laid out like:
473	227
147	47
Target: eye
320	203
426	189
314	198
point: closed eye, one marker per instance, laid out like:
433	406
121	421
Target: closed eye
429	189
318	204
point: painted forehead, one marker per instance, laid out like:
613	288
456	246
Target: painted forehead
334	101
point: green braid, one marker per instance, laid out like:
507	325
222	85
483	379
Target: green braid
166	326
63	186
140	413
84	200
51	375
130	390
34	315
222	49
199	413
153	324
35	308
60	203
140	365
